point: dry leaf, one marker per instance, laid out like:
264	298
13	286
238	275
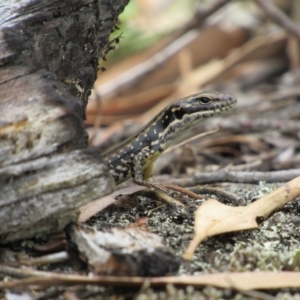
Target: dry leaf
213	217
92	208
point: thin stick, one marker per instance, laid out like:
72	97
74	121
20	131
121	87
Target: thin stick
202	12
195	193
244	281
98	119
130	77
245	177
179	40
279	17
225	175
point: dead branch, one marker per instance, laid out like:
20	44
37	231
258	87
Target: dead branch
279	17
49	53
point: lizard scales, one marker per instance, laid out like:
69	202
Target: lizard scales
136	155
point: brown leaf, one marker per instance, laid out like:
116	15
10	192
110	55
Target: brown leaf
213	217
94	207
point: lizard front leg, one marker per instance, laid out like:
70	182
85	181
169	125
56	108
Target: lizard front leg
139	177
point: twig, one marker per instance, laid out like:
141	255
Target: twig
179	40
202	12
209	73
244	281
45	259
194	193
245	177
225	175
249	166
259	124
98	119
166	198
130	77
257	295
279	17
281	95
182	190
220	193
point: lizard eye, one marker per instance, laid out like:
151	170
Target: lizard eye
204	100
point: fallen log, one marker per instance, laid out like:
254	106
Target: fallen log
49	52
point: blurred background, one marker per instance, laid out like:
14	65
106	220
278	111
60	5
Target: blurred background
164	50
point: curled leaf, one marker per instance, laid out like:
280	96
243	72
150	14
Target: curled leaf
213	217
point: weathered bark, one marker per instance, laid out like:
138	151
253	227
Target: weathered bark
49	52
122	251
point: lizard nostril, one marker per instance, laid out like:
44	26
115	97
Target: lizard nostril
134	157
228	98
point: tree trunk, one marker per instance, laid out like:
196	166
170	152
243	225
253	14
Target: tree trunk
49	53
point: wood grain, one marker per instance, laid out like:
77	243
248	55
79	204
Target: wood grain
49	53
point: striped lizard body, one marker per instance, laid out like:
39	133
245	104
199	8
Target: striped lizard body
136	155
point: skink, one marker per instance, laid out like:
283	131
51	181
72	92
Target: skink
136	155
